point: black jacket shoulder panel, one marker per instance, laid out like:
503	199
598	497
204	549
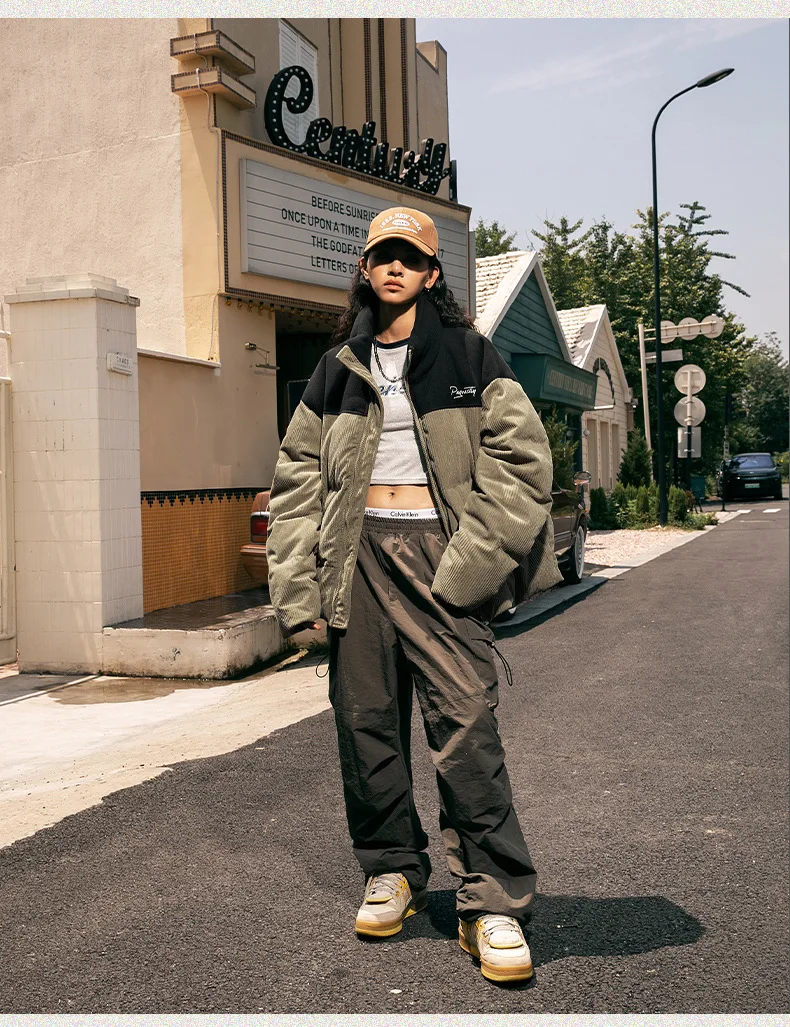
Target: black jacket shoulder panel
313	395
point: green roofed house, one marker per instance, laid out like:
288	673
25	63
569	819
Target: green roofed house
515	310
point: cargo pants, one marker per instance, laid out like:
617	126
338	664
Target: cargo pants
400	639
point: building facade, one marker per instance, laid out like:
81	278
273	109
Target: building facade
187	160
516	311
593	347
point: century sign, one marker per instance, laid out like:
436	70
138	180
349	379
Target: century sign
305	230
360	151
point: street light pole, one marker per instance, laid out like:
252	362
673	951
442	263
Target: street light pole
709	80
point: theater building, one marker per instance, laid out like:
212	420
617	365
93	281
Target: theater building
223	172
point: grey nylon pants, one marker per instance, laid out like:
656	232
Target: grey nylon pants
401	639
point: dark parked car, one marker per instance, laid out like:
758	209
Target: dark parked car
749	474
567	510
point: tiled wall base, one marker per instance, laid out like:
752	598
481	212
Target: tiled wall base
191	544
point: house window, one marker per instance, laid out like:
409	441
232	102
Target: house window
294	49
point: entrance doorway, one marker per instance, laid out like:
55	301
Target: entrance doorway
298	353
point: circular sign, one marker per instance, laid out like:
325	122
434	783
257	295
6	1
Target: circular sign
669	331
690	410
712	326
688	328
689	379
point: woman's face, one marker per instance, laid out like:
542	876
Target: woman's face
398	272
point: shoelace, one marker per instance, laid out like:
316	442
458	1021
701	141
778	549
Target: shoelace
387	883
496	922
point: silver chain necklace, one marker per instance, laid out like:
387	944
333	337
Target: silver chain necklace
383	372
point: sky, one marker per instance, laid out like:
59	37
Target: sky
552	117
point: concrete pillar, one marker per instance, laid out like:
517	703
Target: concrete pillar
76	436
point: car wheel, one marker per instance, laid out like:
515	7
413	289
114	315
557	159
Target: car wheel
573	571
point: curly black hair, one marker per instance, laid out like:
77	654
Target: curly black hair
361	294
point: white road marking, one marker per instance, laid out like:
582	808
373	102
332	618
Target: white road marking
774	509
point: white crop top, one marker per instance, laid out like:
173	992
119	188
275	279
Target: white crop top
399	460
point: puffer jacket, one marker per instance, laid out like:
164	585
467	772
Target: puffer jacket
489	467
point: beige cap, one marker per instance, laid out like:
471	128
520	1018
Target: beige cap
404	223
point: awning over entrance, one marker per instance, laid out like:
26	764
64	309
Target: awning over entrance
547	379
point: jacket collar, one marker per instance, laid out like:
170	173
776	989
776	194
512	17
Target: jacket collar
425	337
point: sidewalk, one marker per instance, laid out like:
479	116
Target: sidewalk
68	745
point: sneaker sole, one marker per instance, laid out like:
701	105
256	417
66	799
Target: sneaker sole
387	930
495	973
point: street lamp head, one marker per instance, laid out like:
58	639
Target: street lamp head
717	76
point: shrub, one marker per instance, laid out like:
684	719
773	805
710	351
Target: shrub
677	506
602	511
635	465
619	495
643	502
699	521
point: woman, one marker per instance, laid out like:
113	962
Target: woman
411	504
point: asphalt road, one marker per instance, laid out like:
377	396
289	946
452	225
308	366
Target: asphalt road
647	734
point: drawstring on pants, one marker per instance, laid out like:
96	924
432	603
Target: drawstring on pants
505	664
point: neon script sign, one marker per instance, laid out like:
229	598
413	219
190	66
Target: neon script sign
348	148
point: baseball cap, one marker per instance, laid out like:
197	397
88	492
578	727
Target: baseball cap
404	223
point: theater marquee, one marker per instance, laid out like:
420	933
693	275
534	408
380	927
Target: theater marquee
304	230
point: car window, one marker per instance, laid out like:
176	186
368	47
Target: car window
752	460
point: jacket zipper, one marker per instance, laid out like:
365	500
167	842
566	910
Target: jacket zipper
366	376
426	452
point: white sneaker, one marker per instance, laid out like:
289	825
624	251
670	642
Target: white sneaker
497	941
388	901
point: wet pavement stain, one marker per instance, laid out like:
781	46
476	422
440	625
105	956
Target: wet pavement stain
107	689
118	690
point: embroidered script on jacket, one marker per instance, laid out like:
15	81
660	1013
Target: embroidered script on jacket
456	393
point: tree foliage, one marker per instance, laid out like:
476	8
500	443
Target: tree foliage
562	448
635	465
492	239
602	265
763	402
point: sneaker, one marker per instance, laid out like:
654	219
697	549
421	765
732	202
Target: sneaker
388	901
498	943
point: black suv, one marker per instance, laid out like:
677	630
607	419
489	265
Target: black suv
749	474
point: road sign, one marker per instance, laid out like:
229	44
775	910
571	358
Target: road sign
696	442
670	357
690	410
669	331
712	326
688	328
689	379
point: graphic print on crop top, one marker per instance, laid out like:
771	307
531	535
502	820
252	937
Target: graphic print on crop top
399	460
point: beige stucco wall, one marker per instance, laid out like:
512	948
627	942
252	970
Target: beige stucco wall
261	37
433	119
91	160
604	346
211	427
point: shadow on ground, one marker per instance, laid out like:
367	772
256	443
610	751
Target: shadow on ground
573	925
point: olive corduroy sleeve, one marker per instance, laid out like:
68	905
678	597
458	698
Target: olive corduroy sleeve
510	501
295	511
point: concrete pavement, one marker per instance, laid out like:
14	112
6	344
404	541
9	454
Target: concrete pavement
646	735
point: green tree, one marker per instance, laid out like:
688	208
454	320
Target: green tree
763	400
616	268
492	239
635	465
562	449
562	259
